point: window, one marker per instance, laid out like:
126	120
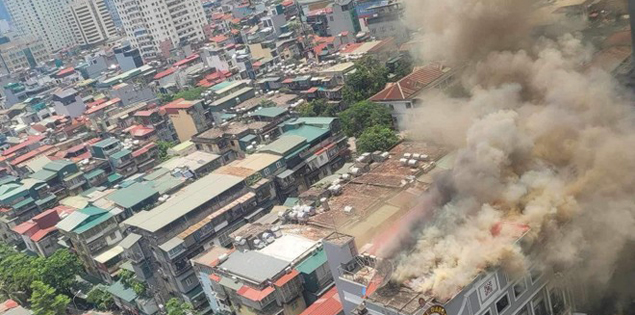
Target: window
502	304
557	302
189	281
279	164
408	105
540	308
520	288
535	274
267	172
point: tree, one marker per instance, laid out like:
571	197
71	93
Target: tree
176	307
190	94
370	77
100	298
317	108
403	67
376	138
128	280
363	115
60	269
267	103
163	149
17	272
45	301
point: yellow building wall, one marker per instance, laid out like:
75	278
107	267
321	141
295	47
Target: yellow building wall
184	125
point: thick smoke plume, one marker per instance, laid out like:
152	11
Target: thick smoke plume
545	150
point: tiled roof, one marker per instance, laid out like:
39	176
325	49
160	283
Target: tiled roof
164	73
328	304
254	294
410	85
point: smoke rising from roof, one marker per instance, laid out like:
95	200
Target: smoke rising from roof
545	150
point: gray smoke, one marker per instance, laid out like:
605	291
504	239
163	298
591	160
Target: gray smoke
542	144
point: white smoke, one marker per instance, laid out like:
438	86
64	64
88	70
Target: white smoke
541	144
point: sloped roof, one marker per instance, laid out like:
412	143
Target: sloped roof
409	85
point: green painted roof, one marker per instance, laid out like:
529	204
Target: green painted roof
94	173
132	195
114	178
23	203
312	262
7	179
247	138
157	173
57	165
310	133
120	154
270	112
105	143
119	290
94	216
284	145
291	201
221	85
43	174
10	190
44	200
311	121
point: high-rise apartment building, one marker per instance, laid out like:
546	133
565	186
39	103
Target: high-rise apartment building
91	21
156	26
44	19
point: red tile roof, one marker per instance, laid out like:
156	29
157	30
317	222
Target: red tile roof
141	131
144	113
144	149
31	154
101	106
186	60
65	71
328	304
181	103
410	85
164	73
29	141
286	278
320	11
218	38
40	225
254	294
287	3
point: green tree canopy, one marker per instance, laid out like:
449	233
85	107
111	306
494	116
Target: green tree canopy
128	280
59	270
163	149
376	138
100	298
369	78
189	94
45	300
19	271
363	115
176	307
317	108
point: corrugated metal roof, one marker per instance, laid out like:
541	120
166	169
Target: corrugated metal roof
119	290
129	240
313	262
132	195
284	145
188	199
310	133
253	265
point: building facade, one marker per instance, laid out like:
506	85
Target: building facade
91	22
156	26
22	54
43	19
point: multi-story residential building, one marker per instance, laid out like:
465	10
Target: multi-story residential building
312	147
155	27
195	218
270	272
336	18
92	232
39	234
63	177
91	22
68	103
232	140
20	201
128	58
161	123
403	96
386	20
188	117
46	20
24	53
